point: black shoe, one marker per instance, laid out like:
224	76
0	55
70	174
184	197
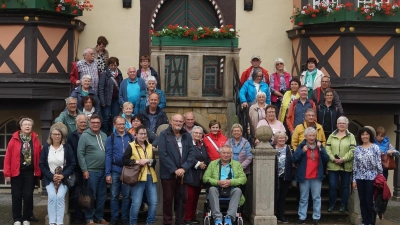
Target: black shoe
315	222
283	220
195	221
300	222
343	208
113	222
331	208
79	220
188	222
33	219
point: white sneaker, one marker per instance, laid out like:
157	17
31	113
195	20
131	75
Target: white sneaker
17	223
26	223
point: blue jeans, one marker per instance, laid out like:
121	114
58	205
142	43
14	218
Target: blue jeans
333	184
56	203
97	181
116	187
107	112
315	186
137	194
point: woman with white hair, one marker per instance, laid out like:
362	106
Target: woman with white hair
279	83
143	102
257	111
283	173
310	157
84	89
57	162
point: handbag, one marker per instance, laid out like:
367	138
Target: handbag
130	174
86	197
388	162
70	180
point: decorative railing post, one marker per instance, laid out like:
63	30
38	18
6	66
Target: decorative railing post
354	208
263	179
396	176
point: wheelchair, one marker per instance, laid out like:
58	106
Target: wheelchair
223	205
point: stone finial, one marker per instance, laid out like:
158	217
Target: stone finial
264	133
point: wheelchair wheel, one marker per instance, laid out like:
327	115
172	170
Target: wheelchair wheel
240	221
208	222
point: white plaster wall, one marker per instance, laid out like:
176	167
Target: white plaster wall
120	26
263	32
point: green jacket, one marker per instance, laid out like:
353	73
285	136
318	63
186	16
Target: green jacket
344	148
212	175
91	151
68	120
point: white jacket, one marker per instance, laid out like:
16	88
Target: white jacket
317	80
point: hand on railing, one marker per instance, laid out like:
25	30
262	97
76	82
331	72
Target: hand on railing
244	105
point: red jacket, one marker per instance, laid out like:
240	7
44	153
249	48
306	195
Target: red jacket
74	74
12	159
380	183
219	140
246	74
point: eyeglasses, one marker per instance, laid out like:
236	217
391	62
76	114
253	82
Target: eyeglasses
57	135
270	111
310	115
259	76
178	121
142	134
279	64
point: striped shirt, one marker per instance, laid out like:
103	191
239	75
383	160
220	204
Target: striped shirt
90	69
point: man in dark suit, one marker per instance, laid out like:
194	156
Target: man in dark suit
175	148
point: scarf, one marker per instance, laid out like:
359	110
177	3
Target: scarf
88	113
287	99
310	79
26	148
312	148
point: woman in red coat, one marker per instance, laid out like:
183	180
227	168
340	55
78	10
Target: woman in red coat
21	166
214	140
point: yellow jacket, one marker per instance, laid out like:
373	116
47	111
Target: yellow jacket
298	134
136	150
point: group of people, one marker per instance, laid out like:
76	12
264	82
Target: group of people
305	115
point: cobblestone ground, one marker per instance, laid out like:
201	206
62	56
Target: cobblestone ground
392	215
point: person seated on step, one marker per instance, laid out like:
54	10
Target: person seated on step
225	176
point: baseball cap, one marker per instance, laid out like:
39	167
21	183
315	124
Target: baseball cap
255	57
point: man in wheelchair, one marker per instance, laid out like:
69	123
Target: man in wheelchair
224	176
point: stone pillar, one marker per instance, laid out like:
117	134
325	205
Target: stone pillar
263	179
159	212
354	208
396	176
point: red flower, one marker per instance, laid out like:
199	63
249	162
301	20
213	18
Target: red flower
202	36
58	9
67	1
313	15
368	17
74	11
387	13
151	31
3	6
156	34
316	11
186	33
195	37
300	23
337	8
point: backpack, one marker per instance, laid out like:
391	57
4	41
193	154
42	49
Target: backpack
129	135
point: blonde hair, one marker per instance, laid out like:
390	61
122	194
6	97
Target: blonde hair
126	104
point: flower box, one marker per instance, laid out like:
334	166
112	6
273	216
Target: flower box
184	41
38	4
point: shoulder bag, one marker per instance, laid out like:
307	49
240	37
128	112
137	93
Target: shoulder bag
388	162
130	174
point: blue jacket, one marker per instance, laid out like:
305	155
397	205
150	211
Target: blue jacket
78	95
106	86
170	158
141	103
115	151
300	159
68	168
248	92
153	73
123	95
384	145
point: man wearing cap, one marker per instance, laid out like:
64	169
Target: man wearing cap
255	63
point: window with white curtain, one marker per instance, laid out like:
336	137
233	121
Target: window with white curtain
363	2
316	2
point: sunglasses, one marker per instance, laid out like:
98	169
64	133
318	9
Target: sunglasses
279	64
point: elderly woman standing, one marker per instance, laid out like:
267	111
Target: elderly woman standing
279	83
257	111
250	89
21	166
312	76
310	157
143	102
283	172
84	89
88	104
101	53
367	165
240	148
109	83
57	161
340	147
327	113
200	166
141	152
214	140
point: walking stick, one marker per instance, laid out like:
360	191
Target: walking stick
180	199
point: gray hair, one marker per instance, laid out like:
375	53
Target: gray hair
236	125
86	76
79	115
131	67
329	79
255	73
198	128
280	134
151	78
25	119
69	99
344	119
281	61
310	130
225	146
85	51
261	93
309	110
184	115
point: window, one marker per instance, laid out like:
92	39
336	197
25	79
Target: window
363	2
6	131
315	3
176	75
213	70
